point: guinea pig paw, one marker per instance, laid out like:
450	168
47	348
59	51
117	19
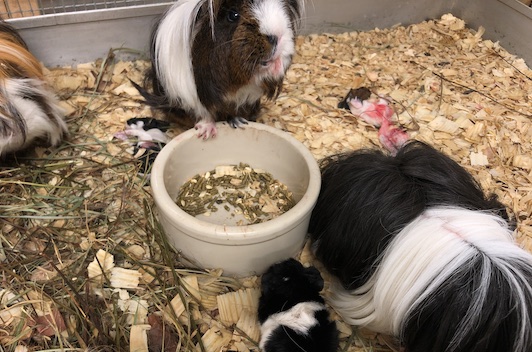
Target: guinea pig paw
237	122
206	130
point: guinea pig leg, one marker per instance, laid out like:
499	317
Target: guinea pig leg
206	129
237	122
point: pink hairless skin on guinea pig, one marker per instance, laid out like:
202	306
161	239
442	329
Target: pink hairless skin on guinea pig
213	60
378	113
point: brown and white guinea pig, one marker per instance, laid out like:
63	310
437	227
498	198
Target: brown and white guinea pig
213	60
421	253
292	313
29	110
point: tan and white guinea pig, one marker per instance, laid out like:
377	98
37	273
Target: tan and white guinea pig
29	109
213	60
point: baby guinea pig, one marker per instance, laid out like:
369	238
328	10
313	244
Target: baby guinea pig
213	60
29	110
292	313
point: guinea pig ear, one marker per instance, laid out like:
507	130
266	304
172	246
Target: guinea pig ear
314	277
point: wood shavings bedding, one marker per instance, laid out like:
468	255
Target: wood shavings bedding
447	85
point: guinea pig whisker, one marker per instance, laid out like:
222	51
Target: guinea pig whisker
290	337
256	61
235	40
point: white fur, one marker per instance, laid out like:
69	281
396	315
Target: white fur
37	123
173	45
143	135
273	20
422	256
300	318
248	93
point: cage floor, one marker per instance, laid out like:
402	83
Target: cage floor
63	207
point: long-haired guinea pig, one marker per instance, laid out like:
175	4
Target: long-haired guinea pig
213	60
421	253
29	109
292	313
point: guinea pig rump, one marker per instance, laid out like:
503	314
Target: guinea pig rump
368	196
418	251
29	110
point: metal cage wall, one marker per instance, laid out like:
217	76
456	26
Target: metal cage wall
28	8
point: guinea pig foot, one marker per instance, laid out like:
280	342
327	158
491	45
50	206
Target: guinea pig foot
392	137
206	130
237	122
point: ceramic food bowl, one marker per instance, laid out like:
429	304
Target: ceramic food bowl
215	242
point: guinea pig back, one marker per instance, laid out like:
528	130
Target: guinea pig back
367	195
420	253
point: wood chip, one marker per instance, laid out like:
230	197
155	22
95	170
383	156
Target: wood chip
231	305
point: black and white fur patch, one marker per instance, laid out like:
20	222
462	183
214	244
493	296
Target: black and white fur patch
420	252
147	136
292	327
292	312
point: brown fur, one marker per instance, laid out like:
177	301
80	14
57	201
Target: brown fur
224	67
15	59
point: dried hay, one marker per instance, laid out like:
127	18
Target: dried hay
84	263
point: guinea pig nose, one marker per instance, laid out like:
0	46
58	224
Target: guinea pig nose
272	39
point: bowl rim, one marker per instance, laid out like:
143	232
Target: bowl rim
245	234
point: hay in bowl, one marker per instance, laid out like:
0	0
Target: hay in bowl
247	249
235	195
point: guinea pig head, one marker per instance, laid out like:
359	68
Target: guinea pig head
246	43
289	281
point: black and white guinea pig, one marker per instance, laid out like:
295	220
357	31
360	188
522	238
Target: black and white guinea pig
421	253
213	60
29	109
292	313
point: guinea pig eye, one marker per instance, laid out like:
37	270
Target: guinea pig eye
233	16
286	278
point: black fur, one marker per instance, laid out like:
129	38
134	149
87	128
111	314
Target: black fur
430	327
156	100
283	286
367	196
321	338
